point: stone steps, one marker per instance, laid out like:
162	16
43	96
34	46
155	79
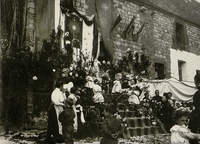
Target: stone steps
136	126
139	126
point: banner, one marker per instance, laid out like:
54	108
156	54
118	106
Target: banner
87	40
73	28
105	20
73	36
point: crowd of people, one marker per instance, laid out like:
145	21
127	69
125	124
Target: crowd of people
181	119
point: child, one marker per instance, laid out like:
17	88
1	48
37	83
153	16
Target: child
98	97
111	127
66	117
117	86
180	134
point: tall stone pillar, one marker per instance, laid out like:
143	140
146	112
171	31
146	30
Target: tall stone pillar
1	100
30	42
30	25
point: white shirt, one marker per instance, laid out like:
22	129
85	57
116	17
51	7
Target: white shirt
117	87
133	99
57	97
97	88
181	135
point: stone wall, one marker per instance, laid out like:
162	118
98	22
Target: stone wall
30	25
162	40
155	40
193	35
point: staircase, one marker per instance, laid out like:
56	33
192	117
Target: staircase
136	126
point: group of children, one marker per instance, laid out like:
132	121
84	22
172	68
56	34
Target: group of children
111	126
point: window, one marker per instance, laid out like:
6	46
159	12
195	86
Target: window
179	36
159	71
182	70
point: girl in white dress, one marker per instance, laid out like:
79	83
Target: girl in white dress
180	133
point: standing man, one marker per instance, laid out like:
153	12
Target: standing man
156	104
194	124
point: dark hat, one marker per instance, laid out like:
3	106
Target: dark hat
68	102
111	108
165	94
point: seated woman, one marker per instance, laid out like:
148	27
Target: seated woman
98	97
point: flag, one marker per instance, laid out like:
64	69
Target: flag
117	21
95	50
136	36
129	29
105	19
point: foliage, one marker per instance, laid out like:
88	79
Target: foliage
15	69
16	58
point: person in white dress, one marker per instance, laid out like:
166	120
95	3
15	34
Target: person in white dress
54	130
180	133
117	86
75	98
98	97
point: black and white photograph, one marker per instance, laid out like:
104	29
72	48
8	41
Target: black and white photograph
100	72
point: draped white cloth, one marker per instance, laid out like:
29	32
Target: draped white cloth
181	91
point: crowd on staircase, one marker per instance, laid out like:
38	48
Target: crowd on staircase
98	114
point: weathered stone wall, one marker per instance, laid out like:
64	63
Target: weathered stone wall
30	42
193	33
163	29
155	40
126	10
30	25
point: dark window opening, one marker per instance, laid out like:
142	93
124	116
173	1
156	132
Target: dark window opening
181	70
180	36
159	71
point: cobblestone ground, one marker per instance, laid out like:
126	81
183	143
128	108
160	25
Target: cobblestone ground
35	137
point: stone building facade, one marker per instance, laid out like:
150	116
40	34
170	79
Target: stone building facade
170	55
158	39
169	36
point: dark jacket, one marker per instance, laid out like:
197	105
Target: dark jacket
194	124
111	129
67	116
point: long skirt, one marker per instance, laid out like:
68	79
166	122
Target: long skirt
53	134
